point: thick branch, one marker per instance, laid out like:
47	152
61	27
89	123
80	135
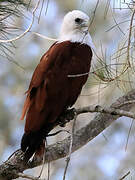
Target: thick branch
15	163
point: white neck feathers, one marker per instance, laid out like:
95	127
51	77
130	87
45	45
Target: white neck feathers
80	37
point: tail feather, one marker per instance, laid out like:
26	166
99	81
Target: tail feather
33	142
25	107
30	143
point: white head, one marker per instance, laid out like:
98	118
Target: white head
75	28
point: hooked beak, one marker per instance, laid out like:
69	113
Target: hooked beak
85	24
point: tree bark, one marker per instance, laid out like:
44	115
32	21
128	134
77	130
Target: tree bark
15	164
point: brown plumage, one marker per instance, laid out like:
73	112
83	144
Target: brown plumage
51	91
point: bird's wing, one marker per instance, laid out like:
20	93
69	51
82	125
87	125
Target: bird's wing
41	69
36	93
38	78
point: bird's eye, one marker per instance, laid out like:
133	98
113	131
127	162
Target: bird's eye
78	20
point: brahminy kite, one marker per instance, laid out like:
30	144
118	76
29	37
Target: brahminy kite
52	89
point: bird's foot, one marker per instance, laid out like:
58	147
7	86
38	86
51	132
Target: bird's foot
40	153
66	117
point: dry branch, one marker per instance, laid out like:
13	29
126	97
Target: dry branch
125	175
11	168
27	30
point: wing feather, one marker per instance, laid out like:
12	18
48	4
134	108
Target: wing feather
25	107
37	79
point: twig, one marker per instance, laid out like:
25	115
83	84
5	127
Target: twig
70	147
105	137
126	103
44	37
110	110
94	12
132	121
47	7
107	8
129	37
41	11
78	75
125	175
117	24
49	164
27	30
43	161
28	176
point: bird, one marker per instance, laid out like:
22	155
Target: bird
55	84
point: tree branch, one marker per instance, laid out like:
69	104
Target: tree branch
15	164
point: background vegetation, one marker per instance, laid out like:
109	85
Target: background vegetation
111	154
